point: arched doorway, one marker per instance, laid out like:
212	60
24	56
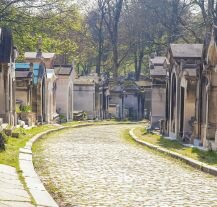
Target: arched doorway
182	110
43	106
167	108
204	107
173	104
69	115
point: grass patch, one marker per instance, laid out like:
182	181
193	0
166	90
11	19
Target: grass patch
208	157
11	154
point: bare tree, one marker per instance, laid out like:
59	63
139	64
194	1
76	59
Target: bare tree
96	25
112	14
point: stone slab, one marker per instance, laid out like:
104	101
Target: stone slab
43	198
10	185
33	182
25	150
28	146
12	192
7	169
14	195
24	156
27	168
15	204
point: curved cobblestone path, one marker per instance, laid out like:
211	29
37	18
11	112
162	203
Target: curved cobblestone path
94	166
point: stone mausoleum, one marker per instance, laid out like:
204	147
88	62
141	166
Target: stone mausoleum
184	62
8	56
158	90
64	91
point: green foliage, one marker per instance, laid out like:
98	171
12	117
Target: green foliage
22	131
207	157
145	27
10	155
18	109
3	140
59	23
9	126
2	144
62	118
25	108
5	137
84	115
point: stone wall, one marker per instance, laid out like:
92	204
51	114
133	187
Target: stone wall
22	95
158	111
84	99
64	97
116	99
132	105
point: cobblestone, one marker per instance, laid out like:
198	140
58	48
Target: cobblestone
94	166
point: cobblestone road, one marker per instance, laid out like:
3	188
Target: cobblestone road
94	166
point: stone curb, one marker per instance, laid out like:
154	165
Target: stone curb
193	163
32	180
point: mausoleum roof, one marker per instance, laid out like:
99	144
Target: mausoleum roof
26	67
81	81
32	55
158	60
186	50
63	69
158	72
143	83
6	44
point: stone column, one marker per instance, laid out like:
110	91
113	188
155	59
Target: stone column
178	89
39	102
7	103
11	100
14	102
170	86
2	91
207	112
212	113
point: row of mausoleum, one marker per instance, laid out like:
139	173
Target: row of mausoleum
36	90
105	98
184	93
42	89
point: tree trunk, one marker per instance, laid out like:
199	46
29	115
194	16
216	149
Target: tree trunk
135	62
115	61
100	45
138	65
99	58
115	52
112	18
141	55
